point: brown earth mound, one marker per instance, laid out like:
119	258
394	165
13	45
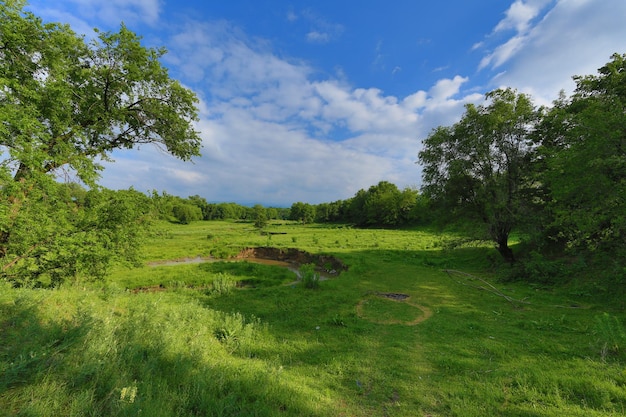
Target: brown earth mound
326	263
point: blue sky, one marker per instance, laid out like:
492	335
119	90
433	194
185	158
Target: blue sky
313	100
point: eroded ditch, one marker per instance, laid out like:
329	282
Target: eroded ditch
290	258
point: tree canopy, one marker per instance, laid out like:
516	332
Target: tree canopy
583	150
478	164
65	103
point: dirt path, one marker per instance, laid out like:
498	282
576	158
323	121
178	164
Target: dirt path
398	298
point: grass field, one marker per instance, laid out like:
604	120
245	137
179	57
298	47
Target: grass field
394	335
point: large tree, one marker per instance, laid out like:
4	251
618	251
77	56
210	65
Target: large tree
66	103
478	165
583	150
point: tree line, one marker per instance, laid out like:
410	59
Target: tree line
381	205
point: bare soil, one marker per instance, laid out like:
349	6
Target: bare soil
326	263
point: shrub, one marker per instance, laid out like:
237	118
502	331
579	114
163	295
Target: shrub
539	269
611	335
222	284
186	213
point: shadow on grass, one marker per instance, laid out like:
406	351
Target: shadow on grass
132	362
30	348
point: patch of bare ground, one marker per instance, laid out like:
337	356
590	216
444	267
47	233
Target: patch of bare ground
325	263
399	298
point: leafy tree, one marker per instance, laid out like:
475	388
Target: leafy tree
185	212
386	205
64	104
478	165
202	204
356	208
583	149
272	213
302	212
259	216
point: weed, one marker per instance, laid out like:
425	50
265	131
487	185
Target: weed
337	320
222	284
309	277
611	335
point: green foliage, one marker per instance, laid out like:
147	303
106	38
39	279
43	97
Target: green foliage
478	165
611	335
236	332
309	277
222	284
302	212
537	268
268	349
53	236
259	216
585	170
126	97
64	104
383	205
186	213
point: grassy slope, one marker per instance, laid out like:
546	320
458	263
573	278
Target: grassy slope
197	348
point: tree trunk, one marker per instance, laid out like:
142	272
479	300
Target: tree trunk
505	251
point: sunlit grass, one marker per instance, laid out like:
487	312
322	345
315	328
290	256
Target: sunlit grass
180	340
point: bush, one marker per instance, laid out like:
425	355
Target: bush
222	284
611	335
186	213
537	268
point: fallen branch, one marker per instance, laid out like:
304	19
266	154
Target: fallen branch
489	288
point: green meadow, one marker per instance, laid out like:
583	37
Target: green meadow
415	326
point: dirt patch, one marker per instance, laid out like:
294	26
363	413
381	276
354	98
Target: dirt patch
326	263
399	298
393	295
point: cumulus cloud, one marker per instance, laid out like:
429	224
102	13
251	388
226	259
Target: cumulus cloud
274	133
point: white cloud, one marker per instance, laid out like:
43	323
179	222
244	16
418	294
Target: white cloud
115	11
519	15
318	37
518	18
109	12
575	37
292	16
275	130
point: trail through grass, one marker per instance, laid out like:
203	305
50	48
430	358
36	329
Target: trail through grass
227	339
